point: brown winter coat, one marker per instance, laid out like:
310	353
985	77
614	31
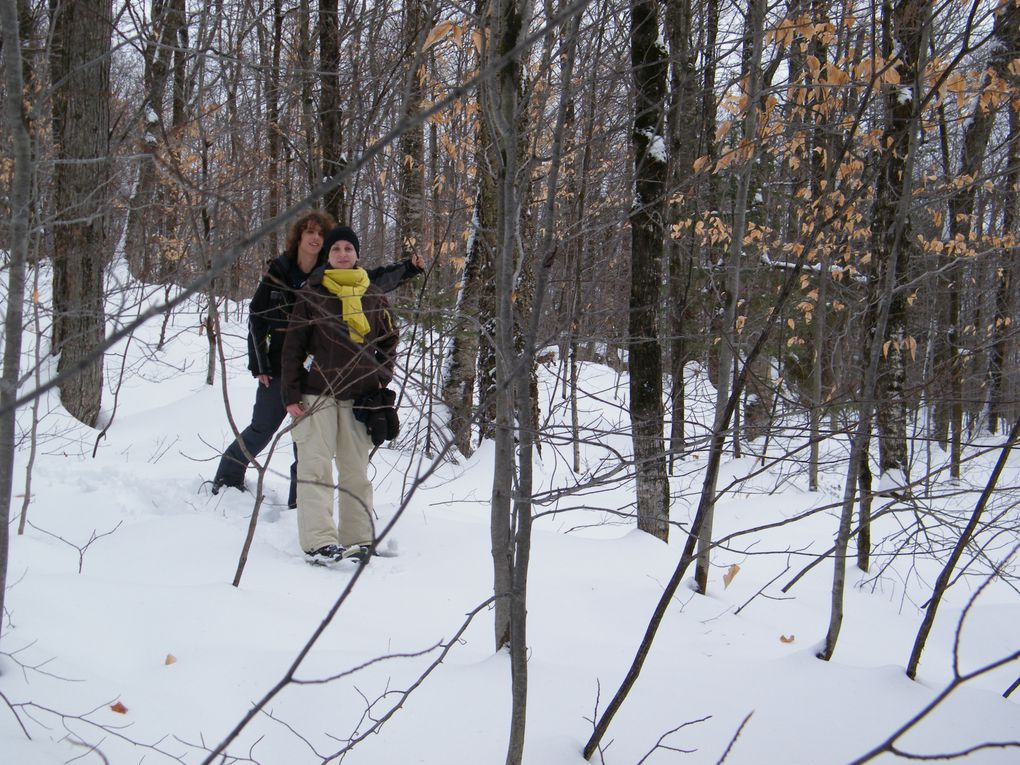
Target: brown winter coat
340	367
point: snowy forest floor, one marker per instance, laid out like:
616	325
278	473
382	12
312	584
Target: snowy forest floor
120	594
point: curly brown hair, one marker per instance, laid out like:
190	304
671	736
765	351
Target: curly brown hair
323	220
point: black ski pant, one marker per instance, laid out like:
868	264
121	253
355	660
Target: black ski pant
266	417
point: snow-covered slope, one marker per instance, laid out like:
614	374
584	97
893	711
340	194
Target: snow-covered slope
120	593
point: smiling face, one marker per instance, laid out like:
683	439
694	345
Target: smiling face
342	254
311	241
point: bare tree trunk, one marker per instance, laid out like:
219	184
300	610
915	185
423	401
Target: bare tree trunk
471	360
212	327
147	223
80	67
648	234
330	137
821	156
410	223
305	47
865	497
888	304
576	253
510	520
275	131
500	104
487	310
474	359
728	344
527	434
817	390
503	461
461	372
907	28
33	448
683	140
20	202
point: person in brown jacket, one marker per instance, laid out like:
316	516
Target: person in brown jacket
340	345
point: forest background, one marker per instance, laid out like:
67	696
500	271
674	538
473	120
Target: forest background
814	201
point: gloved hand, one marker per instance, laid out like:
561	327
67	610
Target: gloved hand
389	399
376	410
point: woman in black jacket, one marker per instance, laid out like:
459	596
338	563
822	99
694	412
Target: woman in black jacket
268	316
341	347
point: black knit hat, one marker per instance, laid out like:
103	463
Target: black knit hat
340	233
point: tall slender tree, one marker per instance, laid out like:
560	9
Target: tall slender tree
410	218
16	120
754	42
331	146
905	35
649	62
683	150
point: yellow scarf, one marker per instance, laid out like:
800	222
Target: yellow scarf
349	284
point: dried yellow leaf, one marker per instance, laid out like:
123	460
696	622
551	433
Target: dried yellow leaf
439	31
728	576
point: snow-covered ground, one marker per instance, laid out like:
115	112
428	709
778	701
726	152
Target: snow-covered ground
145	616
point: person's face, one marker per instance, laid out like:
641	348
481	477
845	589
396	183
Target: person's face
311	240
342	254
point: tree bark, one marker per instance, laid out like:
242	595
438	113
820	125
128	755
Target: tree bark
730	331
274	129
647	219
906	30
305	48
20	202
80	69
500	105
410	223
462	361
821	155
510	520
683	140
330	136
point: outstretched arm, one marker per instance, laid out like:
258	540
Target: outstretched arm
388	278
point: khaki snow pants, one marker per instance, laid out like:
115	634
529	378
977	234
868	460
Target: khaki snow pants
326	434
